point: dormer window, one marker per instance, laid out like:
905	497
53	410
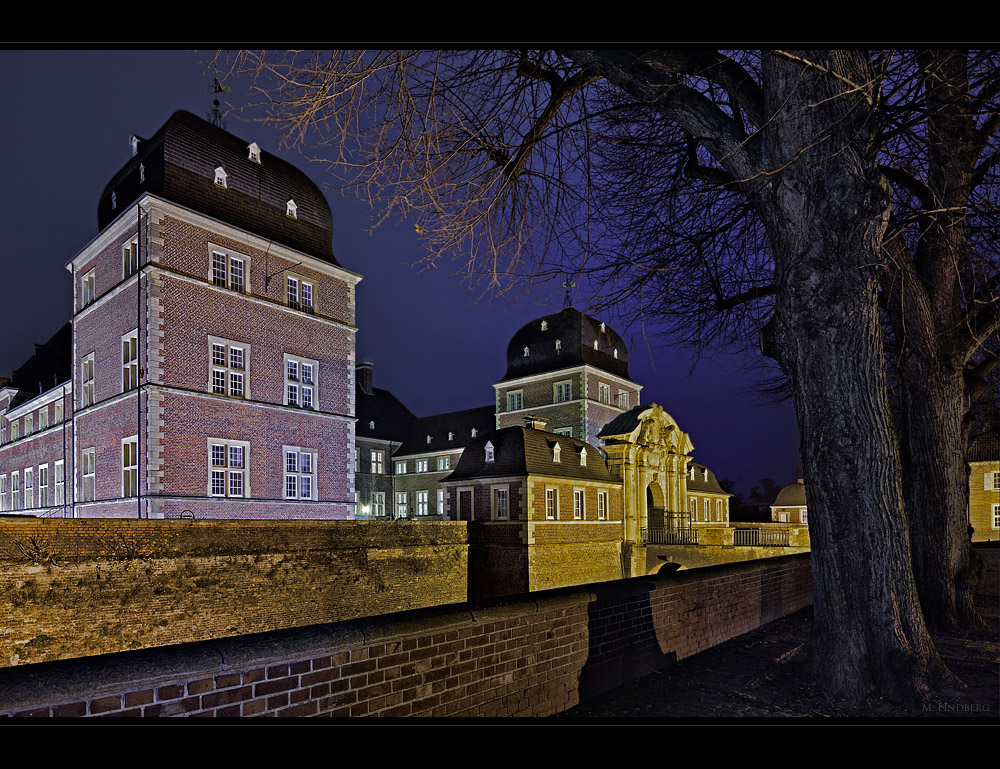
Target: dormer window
142	173
705	473
595	344
555	453
691	474
428	440
134	144
474	432
583	457
545	325
371	425
603	327
489	451
254	151
558	345
291	210
114	201
221	176
616	353
526	352
451	436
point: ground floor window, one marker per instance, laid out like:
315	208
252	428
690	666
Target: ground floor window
89	475
551	504
378	504
43	485
300	473
60	483
422	503
602	505
401	504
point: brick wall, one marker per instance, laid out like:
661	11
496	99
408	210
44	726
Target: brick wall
981	502
525	657
71	588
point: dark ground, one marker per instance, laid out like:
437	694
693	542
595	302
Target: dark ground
763	674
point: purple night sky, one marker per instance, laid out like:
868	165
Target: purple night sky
435	343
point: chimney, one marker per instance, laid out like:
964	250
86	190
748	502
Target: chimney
363	373
535	423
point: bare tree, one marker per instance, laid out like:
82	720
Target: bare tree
753	199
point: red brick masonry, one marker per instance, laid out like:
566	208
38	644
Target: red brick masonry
529	656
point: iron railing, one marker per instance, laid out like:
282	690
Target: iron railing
670	536
760	537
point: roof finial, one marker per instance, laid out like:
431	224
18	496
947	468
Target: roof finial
215	114
568	284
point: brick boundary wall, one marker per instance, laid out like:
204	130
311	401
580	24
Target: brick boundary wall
529	656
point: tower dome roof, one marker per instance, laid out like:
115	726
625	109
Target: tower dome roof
566	338
793	495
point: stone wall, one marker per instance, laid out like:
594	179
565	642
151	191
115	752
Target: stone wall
74	588
525	657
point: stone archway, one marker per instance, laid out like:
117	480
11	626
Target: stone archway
655	506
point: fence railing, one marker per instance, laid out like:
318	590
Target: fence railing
760	537
670	536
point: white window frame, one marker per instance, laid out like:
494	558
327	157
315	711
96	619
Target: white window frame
58	415
15	491
562	392
551	503
297	389
500	502
604	393
226	465
440	502
472	503
130	361
421	465
130	466
29	488
423	502
253	150
602	505
579	504
130	258
991	480
43	418
300	474
515	400
583	457
221	262
43	485
378	461
221	177
401	505
87	381
15	430
694	507
401	467
443	463
490	452
378	504
89	288
29	425
996	515
3	493
623	399
88	471
59	483
291	209
556	453
300	293
230	372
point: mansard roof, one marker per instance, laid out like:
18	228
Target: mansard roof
392	419
47	367
985	447
624	423
178	163
711	486
793	495
526	451
456	424
576	334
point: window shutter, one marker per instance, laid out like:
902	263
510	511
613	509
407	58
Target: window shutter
987	481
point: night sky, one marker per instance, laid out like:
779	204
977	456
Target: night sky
436	344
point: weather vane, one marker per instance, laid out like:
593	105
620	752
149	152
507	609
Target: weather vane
215	114
568	284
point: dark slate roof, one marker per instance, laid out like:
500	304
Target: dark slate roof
525	451
624	423
392	419
699	484
47	367
179	164
576	333
793	495
985	447
458	423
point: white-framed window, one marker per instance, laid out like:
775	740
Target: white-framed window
615	354
527	352
440	508
804	516
130	466
562	391
43	418
401	510
228	464
602	505
130	257
301	382
254	152
88	470
229	270
421	465
58	411
378	504
558	346
996	516
579	505
3	493
567	431
89	287
583	457
29	488
545	325
719	516
401	467
444	463
130	361
378	461
475	432
229	367
552	504
60	483
604	393
15	491
694	507
3	430
515	399
489	451
221	177
29	425
300	472
87	380
291	210
991	481
623	399
15	428
501	503
300	294
237	274
43	485
422	503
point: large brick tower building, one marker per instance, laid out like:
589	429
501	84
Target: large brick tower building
212	361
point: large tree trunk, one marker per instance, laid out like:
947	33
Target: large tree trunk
826	213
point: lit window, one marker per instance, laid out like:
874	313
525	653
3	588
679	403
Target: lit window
301	375
89	474
43	418
378	504
29	489
694	506
562	391
602	505
501	510
29	425
58	412
89	287
300	473
219	268
579	501
130	466
60	483
87	380
254	152
421	465
444	463
622	399
221	177
489	451
3	493
604	393
228	372
401	504
583	457
401	468
440	509
15	491
291	210
130	361
227	468
422	503
552	504
378	462
514	401
130	258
